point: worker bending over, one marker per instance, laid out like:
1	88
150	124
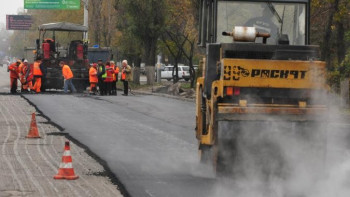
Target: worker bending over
13	68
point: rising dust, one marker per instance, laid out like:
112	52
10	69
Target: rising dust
284	159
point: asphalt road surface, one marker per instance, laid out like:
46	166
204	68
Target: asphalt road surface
147	141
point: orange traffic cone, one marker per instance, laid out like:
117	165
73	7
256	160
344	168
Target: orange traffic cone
33	131
66	170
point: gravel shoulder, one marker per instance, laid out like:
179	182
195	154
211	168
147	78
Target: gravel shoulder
28	165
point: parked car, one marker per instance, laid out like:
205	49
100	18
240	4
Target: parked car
183	72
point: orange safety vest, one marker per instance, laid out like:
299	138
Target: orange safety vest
13	70
20	69
116	72
67	72
30	74
93	75
123	75
36	69
24	69
110	72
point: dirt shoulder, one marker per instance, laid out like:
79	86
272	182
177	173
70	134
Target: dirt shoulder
179	91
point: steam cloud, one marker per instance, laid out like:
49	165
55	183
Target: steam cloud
288	159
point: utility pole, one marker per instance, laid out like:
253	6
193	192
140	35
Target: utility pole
86	18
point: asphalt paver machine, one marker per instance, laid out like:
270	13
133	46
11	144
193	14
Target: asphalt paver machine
74	53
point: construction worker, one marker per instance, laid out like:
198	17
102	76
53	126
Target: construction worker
126	76
29	76
101	74
115	78
68	77
93	78
23	69
14	75
21	75
37	75
109	78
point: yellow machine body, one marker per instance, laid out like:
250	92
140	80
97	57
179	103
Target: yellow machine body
244	73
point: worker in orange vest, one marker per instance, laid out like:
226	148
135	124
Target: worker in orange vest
29	76
23	69
37	75
115	78
109	78
68	77
126	76
14	75
93	78
21	75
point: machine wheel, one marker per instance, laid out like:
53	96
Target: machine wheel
270	148
206	154
226	148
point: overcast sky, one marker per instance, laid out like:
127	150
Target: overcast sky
10	7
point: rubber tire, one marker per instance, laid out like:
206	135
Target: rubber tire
226	148
206	155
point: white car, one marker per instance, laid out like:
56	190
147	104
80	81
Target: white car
183	72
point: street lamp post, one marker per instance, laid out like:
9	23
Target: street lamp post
86	18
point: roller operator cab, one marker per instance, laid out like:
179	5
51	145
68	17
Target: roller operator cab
258	69
52	48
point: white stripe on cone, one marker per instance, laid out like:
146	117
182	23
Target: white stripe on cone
66	165
66	153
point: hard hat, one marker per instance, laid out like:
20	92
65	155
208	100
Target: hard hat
25	61
94	64
112	62
19	61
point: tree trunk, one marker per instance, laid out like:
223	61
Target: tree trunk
96	15
341	51
326	55
150	59
136	75
190	60
192	73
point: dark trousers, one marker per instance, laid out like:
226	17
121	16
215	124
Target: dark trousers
126	87
114	87
102	86
13	85
109	88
